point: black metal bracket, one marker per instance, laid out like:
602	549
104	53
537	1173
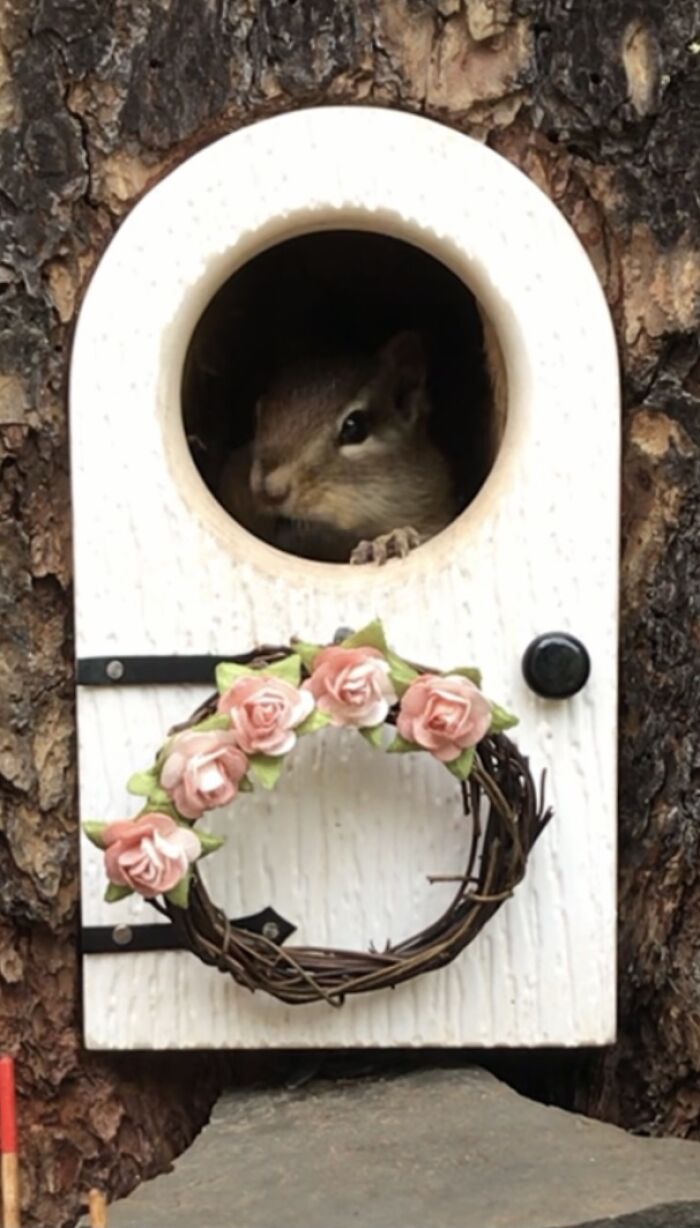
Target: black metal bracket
123	939
156	670
119	670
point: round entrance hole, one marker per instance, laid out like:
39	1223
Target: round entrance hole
336	388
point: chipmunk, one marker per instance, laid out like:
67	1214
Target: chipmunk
341	467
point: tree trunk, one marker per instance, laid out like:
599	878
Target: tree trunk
599	102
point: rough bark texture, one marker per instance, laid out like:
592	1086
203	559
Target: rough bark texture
598	101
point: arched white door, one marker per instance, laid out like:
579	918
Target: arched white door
161	569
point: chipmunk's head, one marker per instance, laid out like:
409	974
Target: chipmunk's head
334	437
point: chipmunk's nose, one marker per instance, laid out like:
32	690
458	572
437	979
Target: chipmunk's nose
272	484
276	488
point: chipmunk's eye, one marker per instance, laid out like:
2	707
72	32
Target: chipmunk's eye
355	428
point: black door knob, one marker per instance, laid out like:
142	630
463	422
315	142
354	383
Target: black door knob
556	665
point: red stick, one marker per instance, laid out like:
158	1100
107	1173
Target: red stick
8	1144
8	1112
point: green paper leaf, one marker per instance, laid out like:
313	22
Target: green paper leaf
114	893
371	636
466	671
317	720
151	807
94	831
307	653
462	766
373	735
500	719
266	769
158	797
227	672
208	841
401	747
401	673
289	669
245	785
179	895
141	783
218	721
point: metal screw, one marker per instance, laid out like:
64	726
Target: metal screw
342	634
122	935
114	670
271	930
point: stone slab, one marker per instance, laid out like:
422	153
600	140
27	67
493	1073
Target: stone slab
443	1149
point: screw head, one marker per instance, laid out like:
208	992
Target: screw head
122	935
114	670
556	665
271	930
342	634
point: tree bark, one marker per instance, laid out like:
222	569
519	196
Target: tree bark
599	102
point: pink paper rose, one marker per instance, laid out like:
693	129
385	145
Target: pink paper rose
264	713
150	854
203	770
443	715
352	685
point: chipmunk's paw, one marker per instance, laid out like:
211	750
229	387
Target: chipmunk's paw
394	545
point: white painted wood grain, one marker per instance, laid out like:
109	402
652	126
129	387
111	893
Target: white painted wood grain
160	568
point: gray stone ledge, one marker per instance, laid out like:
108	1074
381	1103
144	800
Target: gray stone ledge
433	1149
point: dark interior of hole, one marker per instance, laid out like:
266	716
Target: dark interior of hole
337	291
549	1076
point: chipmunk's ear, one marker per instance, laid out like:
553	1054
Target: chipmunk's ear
403	365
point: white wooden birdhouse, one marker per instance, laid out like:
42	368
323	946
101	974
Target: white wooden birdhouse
375	212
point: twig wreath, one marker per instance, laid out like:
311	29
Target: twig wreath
241	737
